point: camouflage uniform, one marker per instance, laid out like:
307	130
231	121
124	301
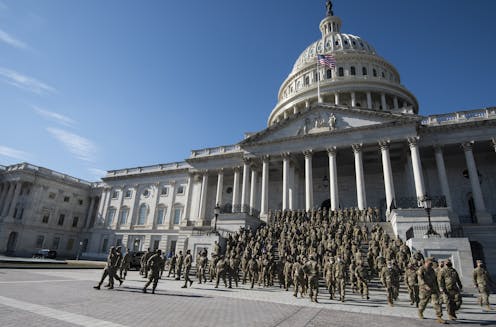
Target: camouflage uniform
482	281
362	276
340	275
188	261
412	284
154	266
450	284
312	271
428	289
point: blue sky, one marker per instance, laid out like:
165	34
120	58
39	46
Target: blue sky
88	86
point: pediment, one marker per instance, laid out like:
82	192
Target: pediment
326	120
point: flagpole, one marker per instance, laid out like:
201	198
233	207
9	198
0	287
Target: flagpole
318	81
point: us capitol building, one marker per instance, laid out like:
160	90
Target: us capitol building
359	142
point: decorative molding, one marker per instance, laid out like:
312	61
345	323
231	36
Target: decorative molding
332	151
384	144
357	148
413	141
308	153
467	146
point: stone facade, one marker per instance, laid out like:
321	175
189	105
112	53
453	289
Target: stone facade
356	140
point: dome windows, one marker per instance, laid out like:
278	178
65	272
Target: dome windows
364	71
340	71
329	73
374	72
352	71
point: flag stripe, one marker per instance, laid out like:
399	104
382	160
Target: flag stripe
327	60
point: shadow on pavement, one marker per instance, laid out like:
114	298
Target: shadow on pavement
149	291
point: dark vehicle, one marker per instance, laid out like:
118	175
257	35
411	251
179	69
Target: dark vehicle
45	254
136	260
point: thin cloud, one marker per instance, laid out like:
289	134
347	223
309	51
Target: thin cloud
79	146
61	119
13	153
97	172
25	82
12	41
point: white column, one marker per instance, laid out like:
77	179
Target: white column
134	211
493	141
285	181
473	174
291	187
90	212
203	197
13	203
106	205
441	173
170	211
5	186
336	98
253	189
418	176
9	188
383	101
395	101
369	100
333	178
308	180
353	99
220	186
245	189
360	180
235	203
264	208
388	174
187	208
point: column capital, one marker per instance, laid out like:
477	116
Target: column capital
308	153
437	148
332	151
204	172
357	148
384	144
413	141
220	171
266	158
286	155
467	146
236	169
247	160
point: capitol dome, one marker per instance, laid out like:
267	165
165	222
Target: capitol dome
361	78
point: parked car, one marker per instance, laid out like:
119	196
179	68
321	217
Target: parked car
45	254
136	260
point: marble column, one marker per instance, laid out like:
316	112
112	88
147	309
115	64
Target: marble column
13	203
383	101
441	173
253	189
353	99
333	178
106	205
360	180
245	187
369	100
285	181
220	186
308	180
418	176
395	103
5	193
264	207
291	187
235	202
336	99
90	211
493	142
8	199
388	174
170	211
203	197
480	208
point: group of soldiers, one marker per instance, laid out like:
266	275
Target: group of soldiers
304	249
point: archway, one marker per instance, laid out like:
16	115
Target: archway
11	243
326	204
477	251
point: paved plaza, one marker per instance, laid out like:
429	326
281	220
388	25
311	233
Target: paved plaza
64	297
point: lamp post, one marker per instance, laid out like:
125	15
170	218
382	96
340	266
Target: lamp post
427	203
79	250
216	214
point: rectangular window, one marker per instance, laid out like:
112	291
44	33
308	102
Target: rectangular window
55	243
61	219
177	215
164	191
39	241
160	216
118	242
156	243
80	202
67	199
115	194
70	244
110	216
180	189
104	245
45	216
129	193
123	219
52	195
75	221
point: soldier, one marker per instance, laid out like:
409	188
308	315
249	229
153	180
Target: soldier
233	270
220	272
391	280
352	277
450	284
329	277
340	275
362	277
202	266
125	265
144	261
110	270
179	264
412	284
482	281
429	290
172	266
188	260
312	271
288	272
154	265
298	278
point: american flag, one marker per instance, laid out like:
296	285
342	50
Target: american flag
327	60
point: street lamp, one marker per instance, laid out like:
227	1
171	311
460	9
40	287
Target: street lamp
427	203
216	214
79	250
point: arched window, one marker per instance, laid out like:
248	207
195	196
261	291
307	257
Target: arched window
353	70
123	216
364	71
161	214
110	216
329	74
307	80
142	214
341	71
374	72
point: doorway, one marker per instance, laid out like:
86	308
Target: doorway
11	243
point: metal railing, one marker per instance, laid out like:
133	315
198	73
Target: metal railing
460	116
412	202
237	208
444	230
